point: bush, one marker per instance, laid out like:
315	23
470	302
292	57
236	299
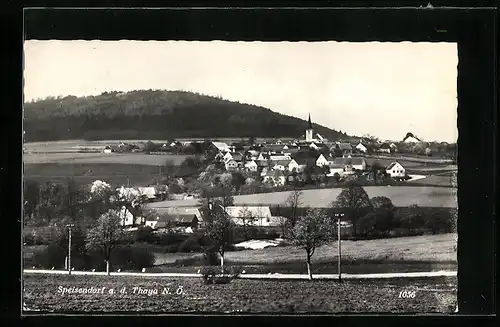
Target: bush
123	257
211	257
214	275
145	234
169	238
172	248
52	256
190	245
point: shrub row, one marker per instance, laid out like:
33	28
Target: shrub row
123	257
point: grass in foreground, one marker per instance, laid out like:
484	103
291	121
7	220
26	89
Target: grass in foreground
437	295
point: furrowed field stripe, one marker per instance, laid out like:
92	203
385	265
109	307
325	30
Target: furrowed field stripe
429	274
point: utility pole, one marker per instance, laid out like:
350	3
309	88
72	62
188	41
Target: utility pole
69	248
128	182
339	249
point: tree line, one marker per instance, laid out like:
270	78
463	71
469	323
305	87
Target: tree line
155	114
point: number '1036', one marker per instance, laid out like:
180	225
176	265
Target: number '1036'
407	294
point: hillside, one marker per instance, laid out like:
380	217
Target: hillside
156	114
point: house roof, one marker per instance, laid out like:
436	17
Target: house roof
185	218
254	211
392	164
273	147
282	162
220	145
237	156
305	161
262	163
176	211
347	161
279	158
265	155
149	191
385	146
250	162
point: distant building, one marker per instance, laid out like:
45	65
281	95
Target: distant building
396	170
252	215
108	149
251	165
361	148
385	148
222	147
410	138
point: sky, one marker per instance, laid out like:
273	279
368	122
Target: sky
378	88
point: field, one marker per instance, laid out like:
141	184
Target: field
436	295
402	254
401	196
86	173
101	158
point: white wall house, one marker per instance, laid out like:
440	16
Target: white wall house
275	178
279	157
127	218
293	165
360	147
395	169
336	169
252	215
227	156
221	146
321	161
251	165
231	164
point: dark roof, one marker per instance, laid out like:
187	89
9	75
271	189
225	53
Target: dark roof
262	163
310	124
348	161
282	162
385	146
305	161
180	218
273	148
392	165
237	156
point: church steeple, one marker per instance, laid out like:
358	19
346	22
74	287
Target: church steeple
310	124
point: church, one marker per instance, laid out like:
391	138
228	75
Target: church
310	136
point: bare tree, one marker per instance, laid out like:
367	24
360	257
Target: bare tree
311	231
220	230
294	201
105	235
247	218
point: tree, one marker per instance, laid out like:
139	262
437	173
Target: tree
354	201
31	198
293	201
311	231
247	218
105	235
413	220
377	170
220	230
384	213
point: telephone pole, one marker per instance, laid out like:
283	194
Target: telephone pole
69	248
339	249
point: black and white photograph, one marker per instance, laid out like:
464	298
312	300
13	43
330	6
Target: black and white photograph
239	177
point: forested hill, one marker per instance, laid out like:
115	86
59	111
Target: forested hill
153	114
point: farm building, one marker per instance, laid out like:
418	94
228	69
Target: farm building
260	216
361	148
130	216
251	165
108	149
274	177
385	148
165	218
356	162
321	161
395	169
221	146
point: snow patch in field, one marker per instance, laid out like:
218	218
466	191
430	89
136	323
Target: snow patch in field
259	244
416	177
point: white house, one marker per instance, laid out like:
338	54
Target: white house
313	146
252	215
293	165
385	148
321	161
231	164
148	192
360	147
274	177
395	169
221	146
251	165
281	165
410	138
354	163
227	156
279	157
127	216
107	149
335	169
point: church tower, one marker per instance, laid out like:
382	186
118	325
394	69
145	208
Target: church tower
309	131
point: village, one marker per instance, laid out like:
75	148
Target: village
279	165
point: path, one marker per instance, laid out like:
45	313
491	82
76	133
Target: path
259	276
